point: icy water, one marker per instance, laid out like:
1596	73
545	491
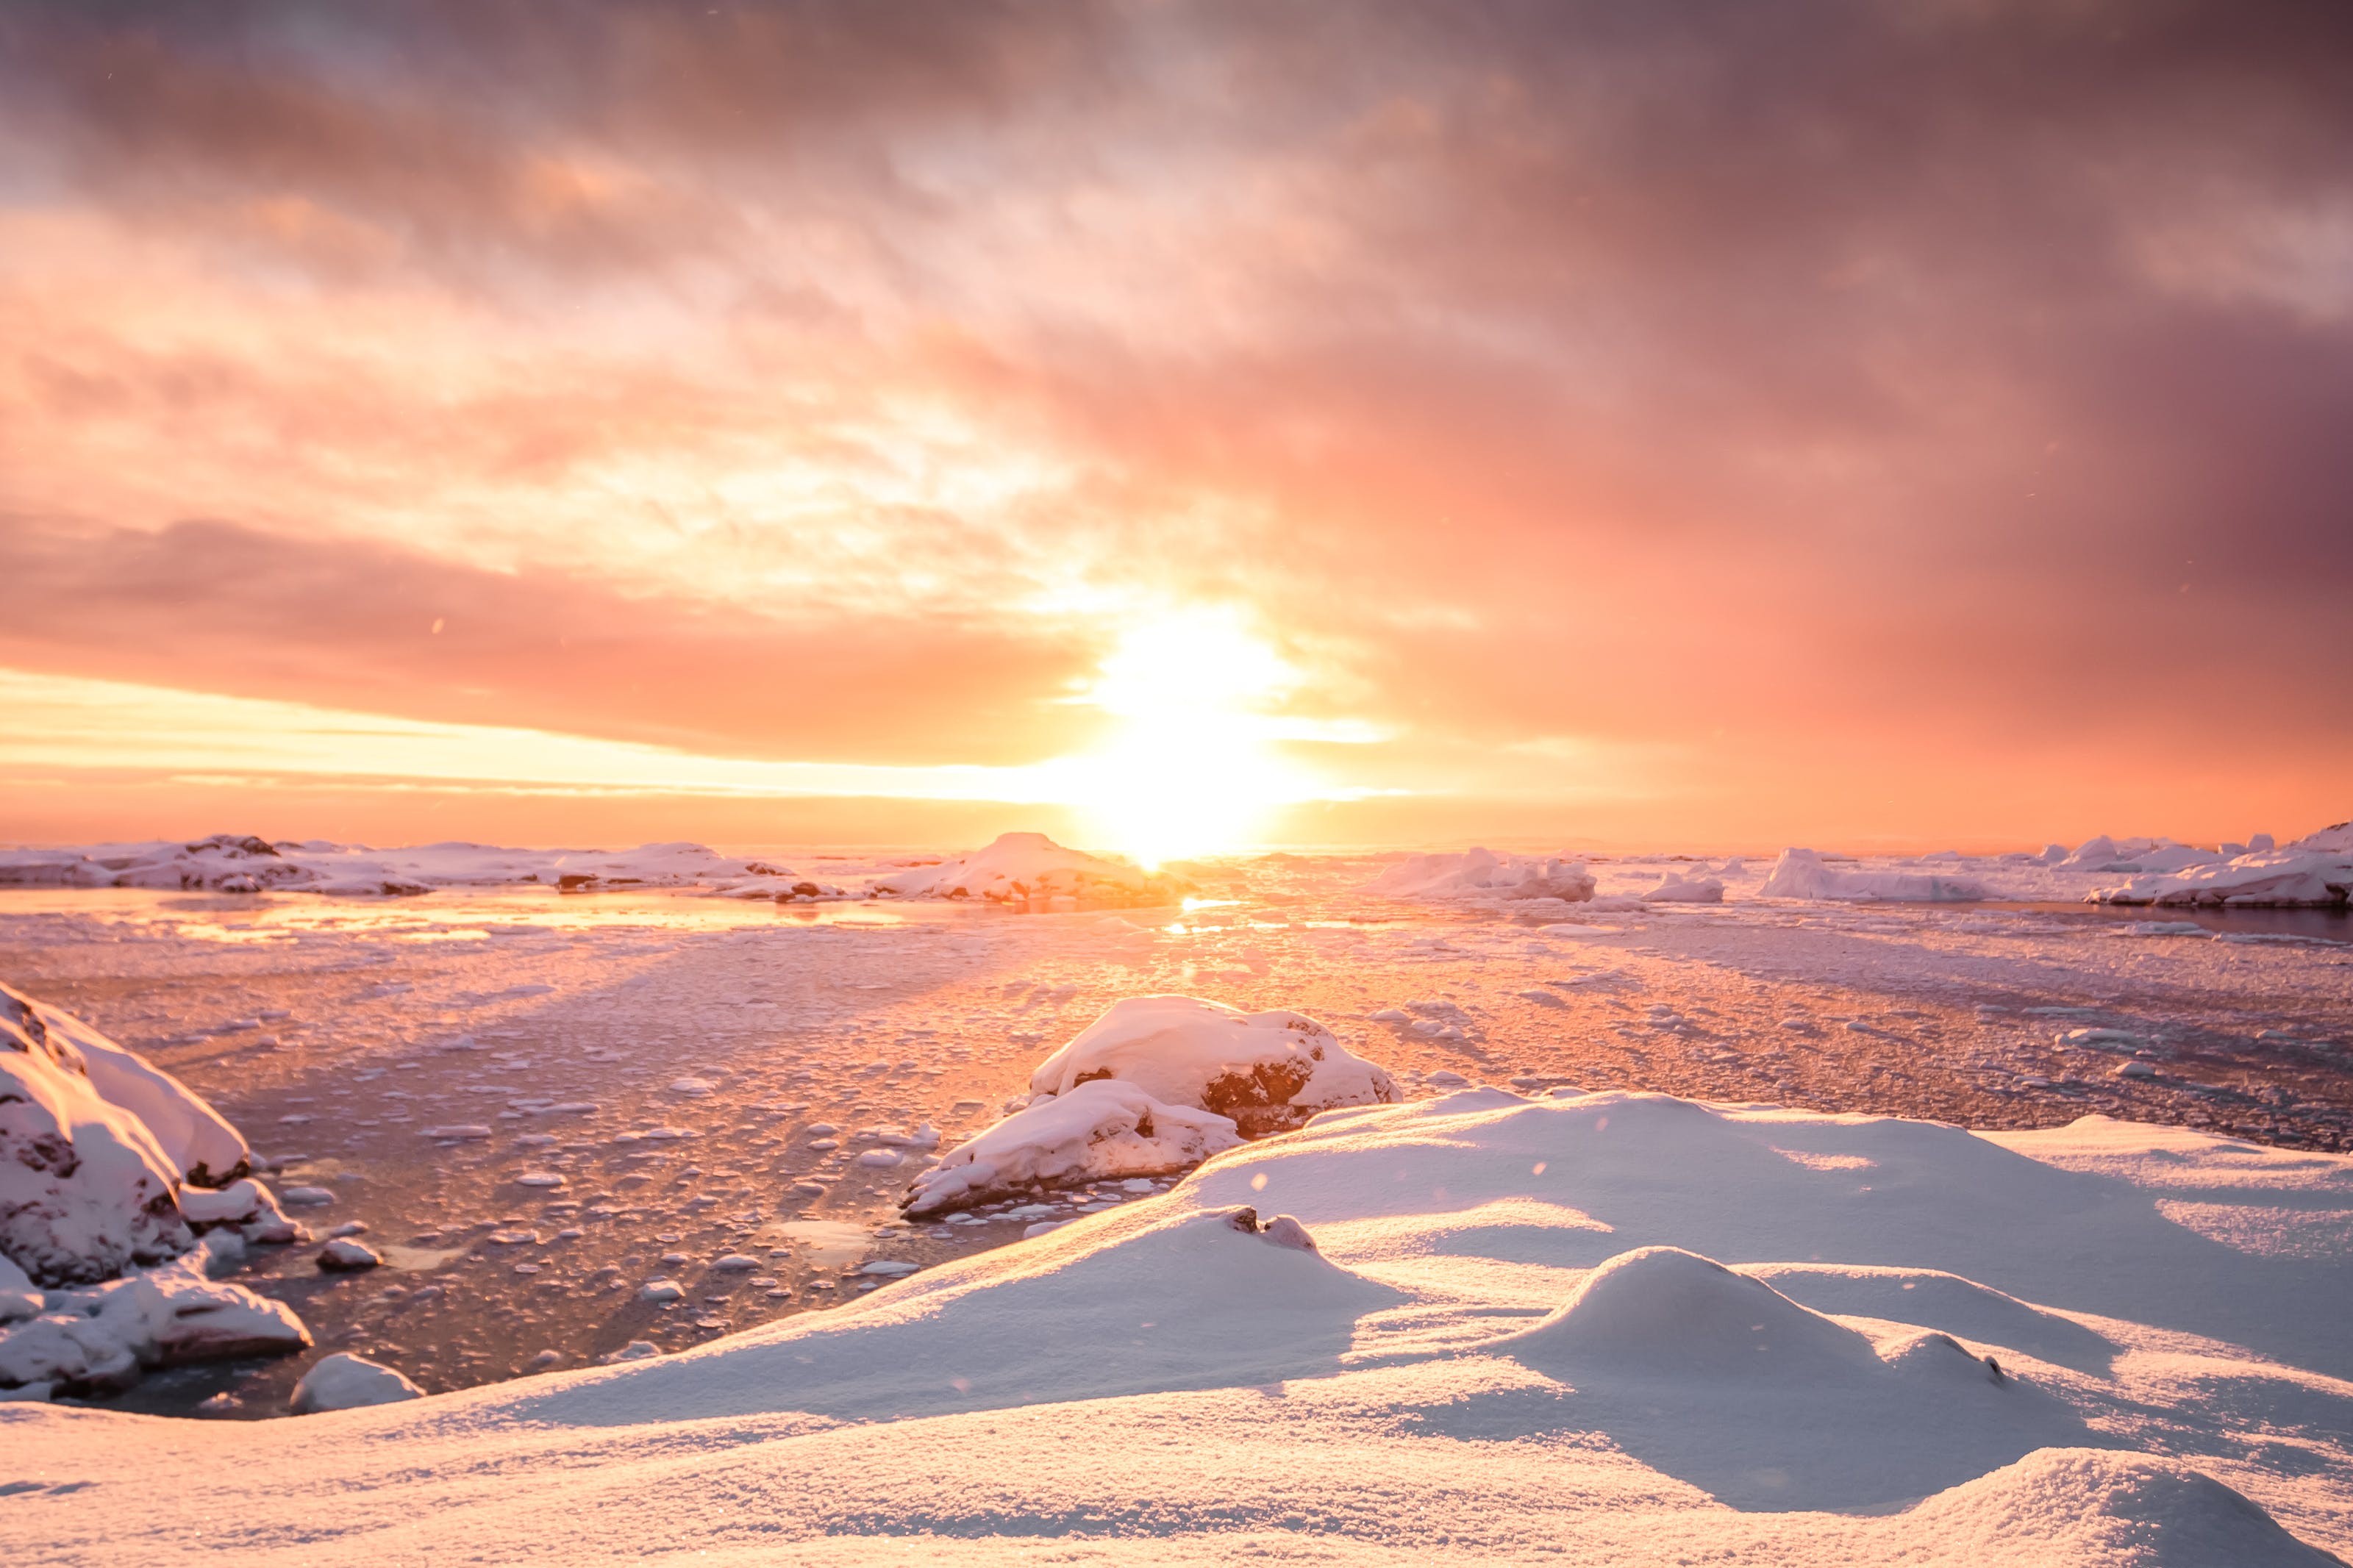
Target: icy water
535	1103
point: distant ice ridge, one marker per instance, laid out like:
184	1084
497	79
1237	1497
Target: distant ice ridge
1806	874
1019	868
2316	871
1155	1085
1480	1326
233	863
102	1268
1483	874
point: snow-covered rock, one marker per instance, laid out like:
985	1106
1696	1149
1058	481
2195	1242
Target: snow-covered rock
1266	1072
1100	1128
86	1190
1804	874
348	1382
1481	874
1019	867
198	1139
101	1339
344	1256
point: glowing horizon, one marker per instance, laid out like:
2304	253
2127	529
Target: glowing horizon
1217	426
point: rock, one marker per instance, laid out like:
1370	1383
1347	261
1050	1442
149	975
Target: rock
344	1256
348	1382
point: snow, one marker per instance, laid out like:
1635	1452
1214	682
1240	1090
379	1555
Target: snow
102	1338
2316	872
1265	1072
1481	874
1596	1327
1804	874
347	1382
86	1190
1020	866
1098	1129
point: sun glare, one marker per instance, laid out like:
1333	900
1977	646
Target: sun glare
1187	768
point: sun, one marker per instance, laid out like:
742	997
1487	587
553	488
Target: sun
1189	767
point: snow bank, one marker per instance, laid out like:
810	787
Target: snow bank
1610	1328
1100	1128
1483	874
1019	867
1266	1072
1803	874
102	1340
233	863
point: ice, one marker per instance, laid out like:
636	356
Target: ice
1481	874
347	1382
2315	873
1804	874
1100	1128
102	1338
1263	1071
1676	888
1019	867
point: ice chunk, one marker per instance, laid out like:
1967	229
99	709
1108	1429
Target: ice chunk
348	1382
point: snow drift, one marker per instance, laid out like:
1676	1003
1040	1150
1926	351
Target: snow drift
1607	1328
1020	866
1267	1072
1481	874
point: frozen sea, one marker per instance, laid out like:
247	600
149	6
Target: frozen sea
535	1103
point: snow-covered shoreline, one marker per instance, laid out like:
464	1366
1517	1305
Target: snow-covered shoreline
1608	1327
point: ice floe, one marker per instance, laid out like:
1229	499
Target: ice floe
1807	874
1481	874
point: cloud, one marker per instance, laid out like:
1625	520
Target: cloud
1961	384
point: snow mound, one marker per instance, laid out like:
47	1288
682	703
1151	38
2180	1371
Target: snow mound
1266	1072
1102	1128
1019	867
1665	1312
2072	1505
102	1340
1483	874
1803	874
348	1382
2301	876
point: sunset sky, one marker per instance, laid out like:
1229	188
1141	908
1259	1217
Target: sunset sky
1175	426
